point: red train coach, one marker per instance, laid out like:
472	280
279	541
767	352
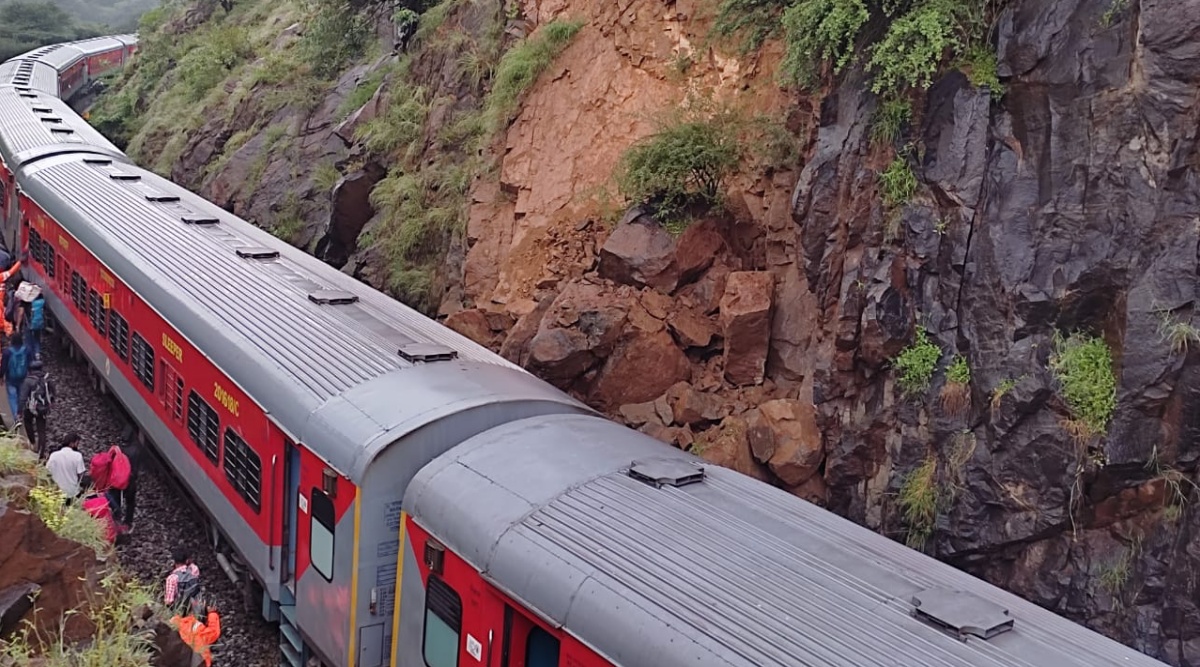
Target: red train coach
294	401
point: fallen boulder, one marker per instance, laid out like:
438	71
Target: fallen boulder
746	320
640	252
783	434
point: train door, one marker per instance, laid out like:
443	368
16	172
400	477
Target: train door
526	643
291	472
170	392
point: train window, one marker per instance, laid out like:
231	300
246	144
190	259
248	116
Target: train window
443	624
76	281
143	361
96	312
203	425
320	539
49	260
243	469
35	246
118	334
541	649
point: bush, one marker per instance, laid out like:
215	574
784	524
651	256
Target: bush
916	364
956	393
898	182
336	35
207	65
914	45
819	31
919	502
401	126
682	165
523	64
889	120
756	20
1083	367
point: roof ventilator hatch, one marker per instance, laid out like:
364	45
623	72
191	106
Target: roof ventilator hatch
425	352
161	198
257	253
124	177
61	130
101	161
961	613
332	298
198	220
666	472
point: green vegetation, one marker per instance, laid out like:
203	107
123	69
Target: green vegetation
680	167
26	25
916	363
919	502
916	39
335	36
754	20
818	32
399	128
1083	367
1006	385
211	61
889	120
117	611
982	69
956	393
522	65
1115	574
898	182
1180	334
1115	9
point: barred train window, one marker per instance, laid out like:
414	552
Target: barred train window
321	529
178	407
443	624
49	260
96	312
143	361
203	426
35	246
76	284
118	334
243	469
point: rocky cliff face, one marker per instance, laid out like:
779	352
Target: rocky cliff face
770	337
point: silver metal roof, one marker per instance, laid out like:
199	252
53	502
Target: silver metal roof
257	320
58	56
30	74
37	125
725	571
97	45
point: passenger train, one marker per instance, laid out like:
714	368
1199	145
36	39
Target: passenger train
402	496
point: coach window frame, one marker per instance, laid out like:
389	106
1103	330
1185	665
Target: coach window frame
142	359
435	609
238	454
209	415
322	513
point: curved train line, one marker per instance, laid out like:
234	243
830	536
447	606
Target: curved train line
404	496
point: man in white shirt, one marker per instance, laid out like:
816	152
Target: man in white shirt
66	466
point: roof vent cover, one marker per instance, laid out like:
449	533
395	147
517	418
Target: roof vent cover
414	352
961	613
332	298
198	220
666	472
257	252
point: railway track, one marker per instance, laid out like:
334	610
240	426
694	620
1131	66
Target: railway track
166	515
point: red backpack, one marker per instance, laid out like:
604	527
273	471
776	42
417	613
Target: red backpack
110	470
118	477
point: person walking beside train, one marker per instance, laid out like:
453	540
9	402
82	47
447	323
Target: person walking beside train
37	396
66	467
37	325
14	366
183	583
134	452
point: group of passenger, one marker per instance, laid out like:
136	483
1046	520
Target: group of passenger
106	486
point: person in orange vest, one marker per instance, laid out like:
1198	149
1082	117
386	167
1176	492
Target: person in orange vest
199	636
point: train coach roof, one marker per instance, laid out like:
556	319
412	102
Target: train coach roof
30	76
37	125
58	56
98	44
722	571
313	346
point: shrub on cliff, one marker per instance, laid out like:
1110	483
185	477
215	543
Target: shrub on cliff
916	363
523	64
681	166
918	38
1083	366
